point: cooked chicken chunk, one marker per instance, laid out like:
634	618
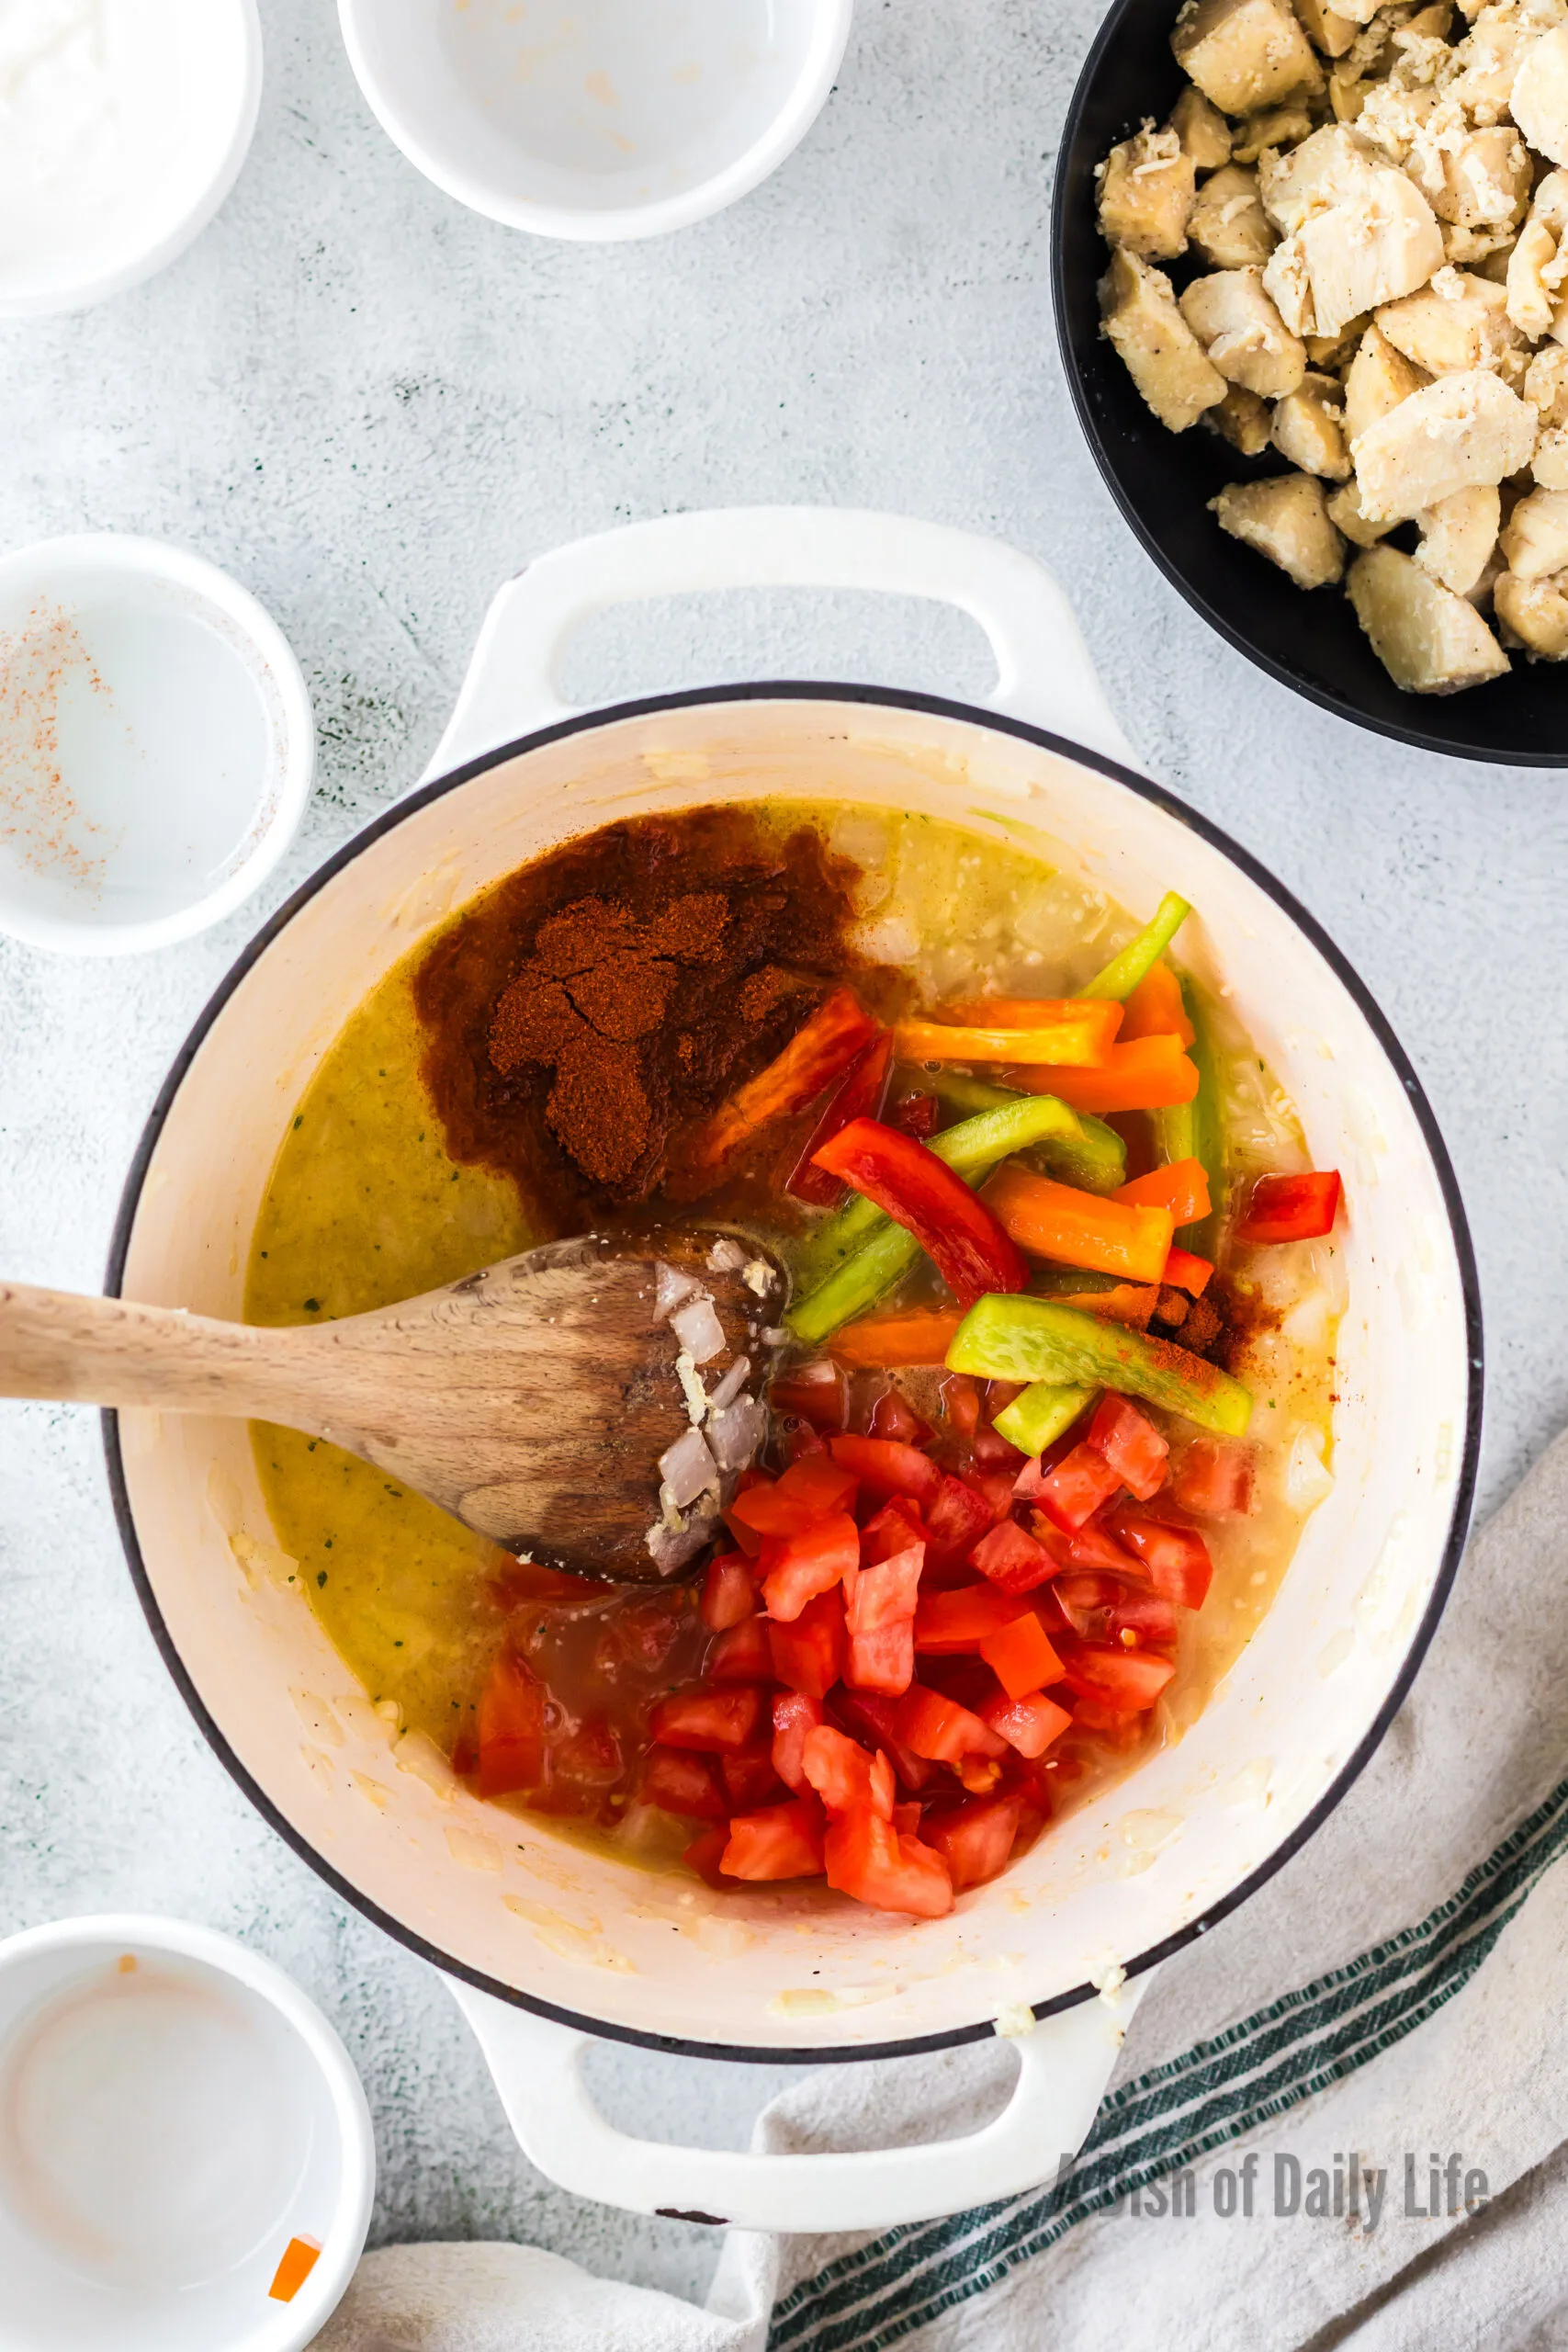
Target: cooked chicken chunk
1377	379
1537	302
1482	72
1539	99
1330	29
1229	226
1484	182
1242	332
1275	127
1464	429
1284	519
1378	244
1309	428
1535	536
1243	54
1546	384
1162	355
1345	514
1243	418
1458	537
1146	190
1430	640
1203	129
1328	168
1456	320
1548	466
1536	612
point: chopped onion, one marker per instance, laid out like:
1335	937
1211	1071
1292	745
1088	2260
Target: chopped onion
759	1277
687	1468
1308	1478
670	1289
699	1329
669	1551
736	1435
775	1335
726	1257
729	1388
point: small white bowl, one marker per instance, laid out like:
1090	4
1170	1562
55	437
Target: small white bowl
97	194
187	2160
596	120
156	744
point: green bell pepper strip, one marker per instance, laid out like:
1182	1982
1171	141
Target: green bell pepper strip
1095	1159
1041	1415
1191	1131
859	1253
1138	958
1004	1338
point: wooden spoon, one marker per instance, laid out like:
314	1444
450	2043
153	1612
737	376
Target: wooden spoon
533	1400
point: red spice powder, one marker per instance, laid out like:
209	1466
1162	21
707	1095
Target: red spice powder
40	820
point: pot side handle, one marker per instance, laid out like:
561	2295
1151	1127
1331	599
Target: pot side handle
1064	2066
1045	673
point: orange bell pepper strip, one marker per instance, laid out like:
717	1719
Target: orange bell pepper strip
886	1342
839	1029
1076	1228
1062	1029
1151	1074
1188	1271
1155	1009
1130	1303
1181	1186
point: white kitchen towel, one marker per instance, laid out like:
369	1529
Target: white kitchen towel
1341	2119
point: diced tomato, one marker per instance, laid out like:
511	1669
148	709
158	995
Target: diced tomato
958	1233
746	1538
1124	1681
1131	1446
1075	1488
730	1591
749	1777
866	1857
742	1654
816	1392
946	1623
1104	1608
1020	1655
844	1775
858	1097
809	1491
999	1395
883	1595
892	1530
894	1417
942	1730
955	1520
974	1839
888	1467
705	1854
808	1653
1011	1559
874	1717
979	1774
960	1403
795	1715
1028	1724
1213	1479
682	1782
917	1114
1176	1557
796	1568
1111	1725
1090	1546
996	1487
800	1440
994	1453
511	1729
781	1841
709	1721
907	1818
882	1659
1290	1208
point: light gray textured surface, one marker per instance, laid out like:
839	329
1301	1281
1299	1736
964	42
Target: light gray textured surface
371	406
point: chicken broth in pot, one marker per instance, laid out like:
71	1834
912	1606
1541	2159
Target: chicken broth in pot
1056	1375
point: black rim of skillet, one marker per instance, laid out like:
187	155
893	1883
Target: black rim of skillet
937	707
1308	642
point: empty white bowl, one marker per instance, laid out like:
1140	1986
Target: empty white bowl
126	123
187	2161
156	744
596	119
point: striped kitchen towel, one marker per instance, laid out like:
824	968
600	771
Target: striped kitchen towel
1376	2157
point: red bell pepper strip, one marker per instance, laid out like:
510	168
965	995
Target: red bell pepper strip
1290	1208
920	1191
858	1097
839	1029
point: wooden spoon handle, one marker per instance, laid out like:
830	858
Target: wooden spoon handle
108	1351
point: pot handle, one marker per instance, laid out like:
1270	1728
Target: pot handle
1044	673
1064	2066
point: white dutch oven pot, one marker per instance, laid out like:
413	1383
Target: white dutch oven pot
546	1944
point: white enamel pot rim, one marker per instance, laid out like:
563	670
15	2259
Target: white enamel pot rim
535	2062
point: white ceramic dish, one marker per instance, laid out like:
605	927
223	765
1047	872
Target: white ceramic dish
156	744
605	120
552	1944
131	190
174	2114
